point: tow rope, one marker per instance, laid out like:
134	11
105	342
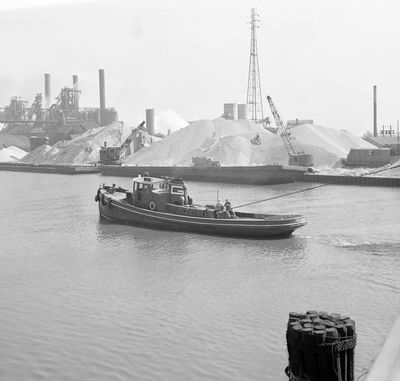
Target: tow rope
372	172
282	195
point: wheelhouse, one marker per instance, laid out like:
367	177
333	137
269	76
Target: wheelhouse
155	193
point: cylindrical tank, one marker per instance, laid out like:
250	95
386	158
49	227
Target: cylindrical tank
243	111
112	115
150	121
231	111
47	94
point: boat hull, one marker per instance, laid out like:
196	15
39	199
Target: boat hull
67	169
262	175
116	210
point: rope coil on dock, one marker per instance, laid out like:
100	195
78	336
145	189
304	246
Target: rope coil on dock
339	346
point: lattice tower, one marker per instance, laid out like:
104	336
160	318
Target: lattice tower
254	95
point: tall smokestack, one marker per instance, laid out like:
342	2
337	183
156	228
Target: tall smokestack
102	97
375	115
75	86
47	94
75	82
150	121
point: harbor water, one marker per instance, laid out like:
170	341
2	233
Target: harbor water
82	299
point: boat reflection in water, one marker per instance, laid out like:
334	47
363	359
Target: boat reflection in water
164	203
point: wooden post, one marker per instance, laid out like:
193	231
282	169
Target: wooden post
320	347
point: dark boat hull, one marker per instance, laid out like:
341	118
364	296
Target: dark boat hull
119	211
263	174
67	169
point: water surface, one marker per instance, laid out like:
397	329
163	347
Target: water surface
85	300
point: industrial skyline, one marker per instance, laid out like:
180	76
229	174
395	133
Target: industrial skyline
319	60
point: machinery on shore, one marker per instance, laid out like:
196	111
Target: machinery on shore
295	157
114	155
51	123
201	161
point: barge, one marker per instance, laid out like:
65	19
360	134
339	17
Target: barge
368	180
261	175
66	169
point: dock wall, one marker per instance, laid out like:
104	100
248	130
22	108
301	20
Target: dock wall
352	180
66	169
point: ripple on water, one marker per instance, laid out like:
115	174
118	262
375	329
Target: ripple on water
83	299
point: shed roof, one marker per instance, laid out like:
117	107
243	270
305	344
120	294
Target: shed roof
382	140
148	180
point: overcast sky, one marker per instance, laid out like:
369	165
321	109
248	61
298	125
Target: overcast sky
318	58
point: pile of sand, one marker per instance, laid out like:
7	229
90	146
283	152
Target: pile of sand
83	149
230	142
11	154
198	138
19	141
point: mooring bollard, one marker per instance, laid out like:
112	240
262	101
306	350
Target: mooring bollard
320	346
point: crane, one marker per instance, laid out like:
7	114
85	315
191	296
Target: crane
295	157
113	155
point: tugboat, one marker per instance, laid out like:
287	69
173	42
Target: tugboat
163	203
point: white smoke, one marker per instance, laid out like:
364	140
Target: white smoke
168	120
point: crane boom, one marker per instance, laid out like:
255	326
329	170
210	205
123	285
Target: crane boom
125	144
282	131
112	155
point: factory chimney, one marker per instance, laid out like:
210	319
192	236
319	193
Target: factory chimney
75	82
47	95
375	115
102	97
150	121
75	86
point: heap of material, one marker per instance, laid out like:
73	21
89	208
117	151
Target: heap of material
230	142
11	154
84	149
19	141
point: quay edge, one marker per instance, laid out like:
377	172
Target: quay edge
254	175
351	180
67	169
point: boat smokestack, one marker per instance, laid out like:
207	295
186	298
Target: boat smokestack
47	94
150	121
102	96
375	115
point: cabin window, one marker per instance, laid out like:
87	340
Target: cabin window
156	186
177	190
138	188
